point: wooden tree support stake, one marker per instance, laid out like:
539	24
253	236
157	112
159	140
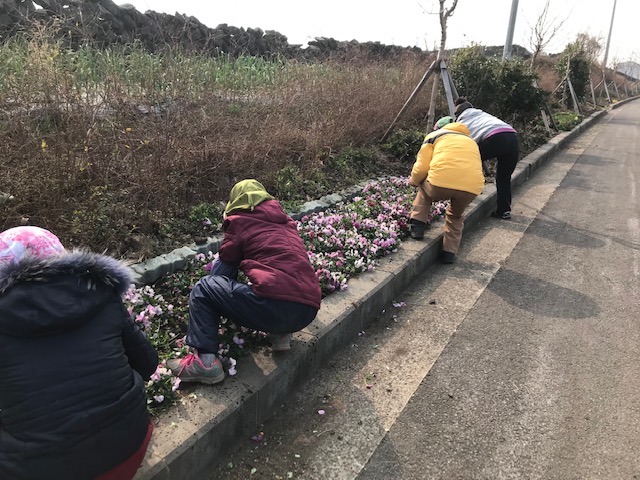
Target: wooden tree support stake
415	92
546	123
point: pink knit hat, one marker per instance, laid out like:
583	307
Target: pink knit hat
18	242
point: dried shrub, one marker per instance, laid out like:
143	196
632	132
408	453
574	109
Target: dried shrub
113	148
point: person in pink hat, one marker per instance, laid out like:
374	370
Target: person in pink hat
73	364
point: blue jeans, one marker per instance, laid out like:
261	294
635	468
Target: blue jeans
220	294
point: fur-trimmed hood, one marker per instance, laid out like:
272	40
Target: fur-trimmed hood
43	296
83	263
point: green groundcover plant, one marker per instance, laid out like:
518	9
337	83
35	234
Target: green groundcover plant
341	242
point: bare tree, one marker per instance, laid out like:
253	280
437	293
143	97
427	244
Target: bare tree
434	69
543	32
444	14
591	45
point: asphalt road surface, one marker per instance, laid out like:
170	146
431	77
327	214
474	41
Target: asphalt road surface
521	360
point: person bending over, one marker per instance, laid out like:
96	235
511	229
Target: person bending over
496	139
447	167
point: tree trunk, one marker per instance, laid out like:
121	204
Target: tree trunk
431	117
444	15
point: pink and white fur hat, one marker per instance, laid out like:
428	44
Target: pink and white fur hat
18	242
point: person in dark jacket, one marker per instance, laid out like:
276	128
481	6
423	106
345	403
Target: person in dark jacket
496	139
283	296
73	364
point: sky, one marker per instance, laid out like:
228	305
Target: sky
416	23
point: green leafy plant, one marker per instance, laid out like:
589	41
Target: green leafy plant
567	120
404	144
206	217
349	163
505	89
575	62
286	181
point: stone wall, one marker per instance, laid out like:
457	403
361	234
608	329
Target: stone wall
104	23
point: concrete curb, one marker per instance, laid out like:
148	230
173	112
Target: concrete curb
194	437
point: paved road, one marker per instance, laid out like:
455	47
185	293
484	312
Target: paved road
522	360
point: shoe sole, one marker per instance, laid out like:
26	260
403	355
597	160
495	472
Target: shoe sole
283	348
207	380
448	259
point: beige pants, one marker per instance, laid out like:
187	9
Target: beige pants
454	222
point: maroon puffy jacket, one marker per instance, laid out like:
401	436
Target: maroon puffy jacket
265	245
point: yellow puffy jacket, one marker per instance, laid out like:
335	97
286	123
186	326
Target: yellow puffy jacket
449	158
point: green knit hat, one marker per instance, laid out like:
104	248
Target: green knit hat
442	122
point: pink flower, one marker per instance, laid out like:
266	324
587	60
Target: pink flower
175	384
232	368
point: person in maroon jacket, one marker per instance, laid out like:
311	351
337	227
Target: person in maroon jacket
283	295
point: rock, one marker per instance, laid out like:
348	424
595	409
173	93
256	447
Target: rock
6	198
110	6
103	22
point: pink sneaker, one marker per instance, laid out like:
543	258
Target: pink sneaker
192	368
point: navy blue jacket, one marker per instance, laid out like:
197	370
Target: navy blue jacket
72	369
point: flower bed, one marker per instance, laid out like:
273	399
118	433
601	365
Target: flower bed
341	243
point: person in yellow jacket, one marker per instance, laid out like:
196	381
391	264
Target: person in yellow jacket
447	167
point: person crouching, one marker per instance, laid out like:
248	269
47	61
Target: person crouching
283	296
73	366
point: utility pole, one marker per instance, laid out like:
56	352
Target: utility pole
606	52
506	54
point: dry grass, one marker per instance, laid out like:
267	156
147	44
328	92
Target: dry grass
113	149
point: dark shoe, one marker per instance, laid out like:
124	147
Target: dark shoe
448	257
416	229
503	215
